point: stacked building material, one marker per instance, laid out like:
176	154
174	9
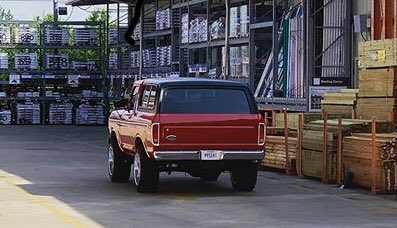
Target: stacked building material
343	102
377	93
217	29
56	62
25	35
275	151
149	57
5	117
56	36
313	143
3	61
113	61
239	22
26	61
198	30
135	61
85	37
87	114
5	35
357	156
185	29
163	56
113	36
60	113
244	21
163	19
28	113
239	62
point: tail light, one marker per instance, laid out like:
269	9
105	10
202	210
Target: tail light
156	134
261	134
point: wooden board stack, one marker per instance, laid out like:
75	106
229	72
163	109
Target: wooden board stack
357	155
275	151
312	143
377	53
342	103
377	94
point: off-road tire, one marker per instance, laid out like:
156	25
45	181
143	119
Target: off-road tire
149	172
243	176
120	172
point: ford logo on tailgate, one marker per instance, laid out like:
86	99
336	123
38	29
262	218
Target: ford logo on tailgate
171	137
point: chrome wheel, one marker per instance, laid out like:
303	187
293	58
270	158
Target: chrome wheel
137	169
110	161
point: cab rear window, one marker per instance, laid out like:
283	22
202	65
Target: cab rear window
205	101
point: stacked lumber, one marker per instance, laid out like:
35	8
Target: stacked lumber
342	103
275	151
377	94
377	53
293	119
313	143
357	155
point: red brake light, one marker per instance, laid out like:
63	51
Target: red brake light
156	134
261	134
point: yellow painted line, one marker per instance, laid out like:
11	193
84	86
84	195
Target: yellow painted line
66	218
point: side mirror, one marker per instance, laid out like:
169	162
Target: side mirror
122	103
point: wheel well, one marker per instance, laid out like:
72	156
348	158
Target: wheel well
112	136
139	143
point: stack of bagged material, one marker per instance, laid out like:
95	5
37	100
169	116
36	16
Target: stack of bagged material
5	117
149	57
90	115
113	61
239	62
28	113
163	56
135	59
198	30
4	61
343	102
5	35
185	29
357	156
60	113
217	29
56	36
275	151
25	35
163	19
239	21
85	37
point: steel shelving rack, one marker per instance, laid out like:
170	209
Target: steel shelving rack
42	78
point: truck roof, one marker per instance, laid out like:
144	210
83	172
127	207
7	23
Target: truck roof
191	81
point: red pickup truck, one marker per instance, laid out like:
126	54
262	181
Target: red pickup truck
199	126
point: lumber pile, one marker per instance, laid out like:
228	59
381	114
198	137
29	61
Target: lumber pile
357	155
293	119
342	103
377	53
313	143
275	151
377	95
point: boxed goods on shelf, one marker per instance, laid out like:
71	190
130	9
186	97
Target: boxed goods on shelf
90	115
28	113
4	61
55	36
5	117
217	29
377	53
163	56
185	29
197	68
56	62
84	65
60	113
235	62
5	35
245	61
26	61
135	61
234	22
149	57
85	37
113	36
25	35
198	30
113	61
244	21
163	19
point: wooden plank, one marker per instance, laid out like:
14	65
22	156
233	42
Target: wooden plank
325	149
287	161
299	152
378	82
373	157
339	154
376	107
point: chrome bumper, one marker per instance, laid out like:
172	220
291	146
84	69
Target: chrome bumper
195	155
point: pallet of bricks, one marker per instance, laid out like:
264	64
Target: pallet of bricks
377	80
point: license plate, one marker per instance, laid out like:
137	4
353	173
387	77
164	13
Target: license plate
211	155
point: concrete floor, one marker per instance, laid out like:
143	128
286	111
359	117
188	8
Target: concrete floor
64	169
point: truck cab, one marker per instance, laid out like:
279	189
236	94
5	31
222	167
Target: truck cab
199	126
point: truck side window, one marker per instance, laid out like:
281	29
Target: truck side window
148	98
133	97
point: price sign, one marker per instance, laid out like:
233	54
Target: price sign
57	62
25	35
5	35
26	61
73	79
14	79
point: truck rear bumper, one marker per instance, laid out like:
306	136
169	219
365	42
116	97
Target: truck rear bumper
195	155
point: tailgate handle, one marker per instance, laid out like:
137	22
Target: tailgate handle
171	137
